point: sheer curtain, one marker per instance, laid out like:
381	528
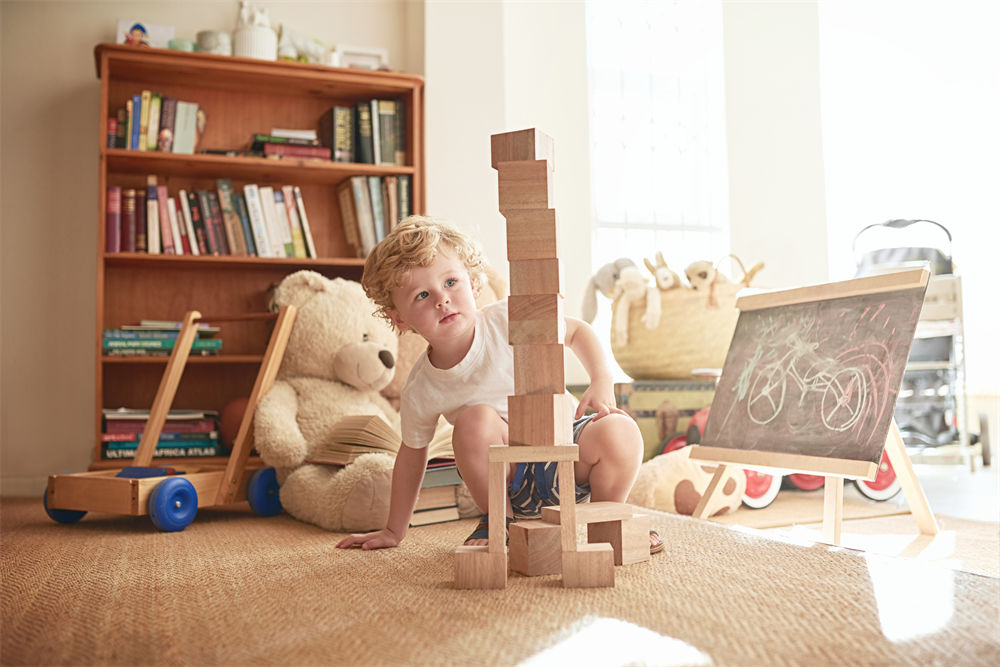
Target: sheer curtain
658	152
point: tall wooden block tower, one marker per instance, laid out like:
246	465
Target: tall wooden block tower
540	412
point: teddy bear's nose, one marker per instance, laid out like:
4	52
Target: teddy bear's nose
387	359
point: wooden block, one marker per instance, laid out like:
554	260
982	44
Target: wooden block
525	184
539	369
535	319
629	538
535	548
590	566
532	234
477	567
567	506
587	513
535	276
541	419
529	454
521	145
497	499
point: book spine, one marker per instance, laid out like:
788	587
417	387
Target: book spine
134	113
284	224
401	133
113	220
165	452
376	133
135	437
378	208
153	129
240	204
168	116
167	240
185	127
231	222
112	139
261	139
196	243
363	121
298	243
121	141
128	219
152	217
203	425
343	134
280	150
348	218
391	202
403	196
255	211
387	130
300	207
363	210
146	97
265	195
160	344
140	220
182	246
121	334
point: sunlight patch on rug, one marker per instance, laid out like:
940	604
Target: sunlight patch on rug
610	641
904	612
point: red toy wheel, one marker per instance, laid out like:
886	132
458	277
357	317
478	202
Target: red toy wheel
884	486
761	490
675	443
806	482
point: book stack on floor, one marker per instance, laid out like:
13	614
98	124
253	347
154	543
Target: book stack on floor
157	338
356	435
186	433
260	220
151	121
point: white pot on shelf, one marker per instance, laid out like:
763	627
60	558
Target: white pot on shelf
255	41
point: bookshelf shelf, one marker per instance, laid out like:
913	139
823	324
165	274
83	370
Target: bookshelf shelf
240	97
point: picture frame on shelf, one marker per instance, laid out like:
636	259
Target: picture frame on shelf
360	57
141	33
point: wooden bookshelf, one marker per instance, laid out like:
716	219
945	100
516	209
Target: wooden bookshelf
240	97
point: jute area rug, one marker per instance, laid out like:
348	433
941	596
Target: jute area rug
236	589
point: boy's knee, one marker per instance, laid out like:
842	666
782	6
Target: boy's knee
479	423
615	434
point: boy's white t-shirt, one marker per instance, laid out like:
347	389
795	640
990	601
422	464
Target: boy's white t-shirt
484	377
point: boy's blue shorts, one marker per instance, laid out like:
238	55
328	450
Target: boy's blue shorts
536	485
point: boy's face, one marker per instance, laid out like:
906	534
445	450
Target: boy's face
436	301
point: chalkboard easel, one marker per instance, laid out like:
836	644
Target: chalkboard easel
809	385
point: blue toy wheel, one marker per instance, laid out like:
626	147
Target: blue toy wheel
173	504
58	515
262	493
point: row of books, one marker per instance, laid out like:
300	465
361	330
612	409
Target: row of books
370	132
156	338
150	121
186	433
370	206
259	220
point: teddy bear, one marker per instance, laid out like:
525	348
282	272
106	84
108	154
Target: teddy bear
338	358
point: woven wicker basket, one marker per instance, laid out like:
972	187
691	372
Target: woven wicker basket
693	333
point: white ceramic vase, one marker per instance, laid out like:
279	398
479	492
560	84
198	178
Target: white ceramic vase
255	41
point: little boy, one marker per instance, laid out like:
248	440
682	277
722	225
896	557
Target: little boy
424	277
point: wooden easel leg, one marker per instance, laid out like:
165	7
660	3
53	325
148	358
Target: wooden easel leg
908	481
833	509
702	508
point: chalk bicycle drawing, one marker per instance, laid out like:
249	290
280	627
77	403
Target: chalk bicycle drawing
843	388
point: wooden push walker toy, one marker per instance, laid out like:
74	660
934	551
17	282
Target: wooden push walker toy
170	500
540	412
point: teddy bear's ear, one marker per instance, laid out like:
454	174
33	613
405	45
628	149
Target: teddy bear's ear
298	287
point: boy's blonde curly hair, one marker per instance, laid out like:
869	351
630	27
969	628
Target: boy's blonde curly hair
415	242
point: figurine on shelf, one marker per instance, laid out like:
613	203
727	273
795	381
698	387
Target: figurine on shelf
254	37
137	36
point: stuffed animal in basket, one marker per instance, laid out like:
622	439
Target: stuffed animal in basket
673	482
338	357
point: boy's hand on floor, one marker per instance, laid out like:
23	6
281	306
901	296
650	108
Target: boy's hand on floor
377	540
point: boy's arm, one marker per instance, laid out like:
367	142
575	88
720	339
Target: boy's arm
407	475
600	395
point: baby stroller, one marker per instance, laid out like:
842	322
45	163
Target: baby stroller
928	408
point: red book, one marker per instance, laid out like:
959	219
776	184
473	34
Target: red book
204	425
318	152
181	227
128	220
113	232
166	233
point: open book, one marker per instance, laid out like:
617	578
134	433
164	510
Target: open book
364	434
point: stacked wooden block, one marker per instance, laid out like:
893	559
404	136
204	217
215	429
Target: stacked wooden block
540	411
